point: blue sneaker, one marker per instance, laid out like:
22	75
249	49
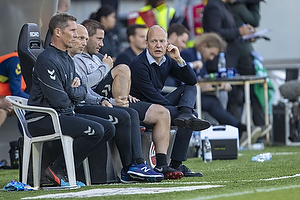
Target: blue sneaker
143	172
125	178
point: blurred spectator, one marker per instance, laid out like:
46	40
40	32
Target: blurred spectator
206	47
11	80
247	12
112	3
106	15
63	6
157	12
218	18
5	107
136	36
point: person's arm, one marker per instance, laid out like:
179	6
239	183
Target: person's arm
248	14
89	78
180	69
212	22
76	91
15	78
51	83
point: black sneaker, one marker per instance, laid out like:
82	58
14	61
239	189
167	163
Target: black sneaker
190	121
168	172
57	176
187	172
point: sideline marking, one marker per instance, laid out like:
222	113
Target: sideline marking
246	192
121	191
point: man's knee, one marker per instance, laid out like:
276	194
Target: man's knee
122	70
158	112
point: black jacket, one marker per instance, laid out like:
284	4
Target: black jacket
217	18
52	77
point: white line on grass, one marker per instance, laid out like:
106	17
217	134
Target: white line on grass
121	191
220	182
245	192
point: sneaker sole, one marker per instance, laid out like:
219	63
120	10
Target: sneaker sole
146	178
193	124
49	174
193	175
124	181
173	175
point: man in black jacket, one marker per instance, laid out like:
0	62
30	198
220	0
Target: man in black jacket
56	85
218	18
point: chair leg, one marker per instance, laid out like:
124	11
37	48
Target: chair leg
67	144
86	169
37	162
26	160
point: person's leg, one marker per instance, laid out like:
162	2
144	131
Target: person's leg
159	117
121	120
184	97
2	116
122	80
86	133
180	146
136	143
128	141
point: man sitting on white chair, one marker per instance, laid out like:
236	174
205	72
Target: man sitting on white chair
54	84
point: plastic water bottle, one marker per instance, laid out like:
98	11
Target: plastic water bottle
207	150
222	65
262	157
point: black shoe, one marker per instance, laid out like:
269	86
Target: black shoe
190	121
168	172
187	172
56	176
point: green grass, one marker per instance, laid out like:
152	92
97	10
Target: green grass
240	178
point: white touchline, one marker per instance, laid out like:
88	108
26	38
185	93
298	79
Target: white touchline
121	191
245	192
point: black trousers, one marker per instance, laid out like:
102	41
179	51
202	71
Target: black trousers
127	124
184	95
87	131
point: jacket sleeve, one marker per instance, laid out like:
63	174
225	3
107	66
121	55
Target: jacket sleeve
184	74
143	86
212	22
90	79
248	14
77	94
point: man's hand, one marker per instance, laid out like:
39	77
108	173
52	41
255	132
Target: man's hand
197	64
226	86
122	101
108	60
132	99
76	82
246	29
173	52
6	105
207	87
106	103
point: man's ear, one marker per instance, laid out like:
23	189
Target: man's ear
130	38
57	32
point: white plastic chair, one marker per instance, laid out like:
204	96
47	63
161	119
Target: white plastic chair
36	143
